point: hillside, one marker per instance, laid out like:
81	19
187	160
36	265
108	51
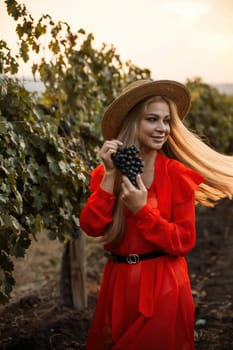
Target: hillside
38	86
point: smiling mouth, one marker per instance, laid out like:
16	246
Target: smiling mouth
158	138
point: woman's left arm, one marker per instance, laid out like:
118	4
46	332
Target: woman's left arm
177	237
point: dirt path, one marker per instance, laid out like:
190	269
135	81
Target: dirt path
211	269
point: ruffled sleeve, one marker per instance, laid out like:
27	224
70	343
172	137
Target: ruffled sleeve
171	226
184	181
97	212
95	177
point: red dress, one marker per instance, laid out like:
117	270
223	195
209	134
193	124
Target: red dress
148	305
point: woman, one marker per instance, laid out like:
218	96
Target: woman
145	301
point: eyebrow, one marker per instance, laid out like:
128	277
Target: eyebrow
157	115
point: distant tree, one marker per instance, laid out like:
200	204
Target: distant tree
211	115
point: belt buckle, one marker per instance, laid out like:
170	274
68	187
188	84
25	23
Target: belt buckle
132	259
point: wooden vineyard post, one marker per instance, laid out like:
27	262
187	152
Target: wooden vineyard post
78	272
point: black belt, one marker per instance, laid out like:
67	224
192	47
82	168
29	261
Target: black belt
133	258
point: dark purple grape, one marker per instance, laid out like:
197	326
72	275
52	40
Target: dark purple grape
128	161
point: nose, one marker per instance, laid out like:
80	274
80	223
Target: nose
160	127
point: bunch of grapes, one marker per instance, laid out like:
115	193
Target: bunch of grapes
129	163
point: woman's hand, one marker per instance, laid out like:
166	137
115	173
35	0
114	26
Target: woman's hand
134	198
107	150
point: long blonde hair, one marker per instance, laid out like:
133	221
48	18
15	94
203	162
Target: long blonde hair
182	145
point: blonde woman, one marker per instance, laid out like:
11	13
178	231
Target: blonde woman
145	301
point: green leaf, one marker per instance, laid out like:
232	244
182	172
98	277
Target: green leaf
63	167
3	127
11	222
38	223
24	50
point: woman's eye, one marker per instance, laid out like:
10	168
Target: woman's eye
151	119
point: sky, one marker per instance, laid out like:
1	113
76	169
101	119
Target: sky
175	39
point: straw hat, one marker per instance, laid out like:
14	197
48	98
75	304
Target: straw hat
138	91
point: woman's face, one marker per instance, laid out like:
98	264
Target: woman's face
154	126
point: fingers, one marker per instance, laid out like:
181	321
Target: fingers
134	198
140	183
107	150
127	186
126	183
112	145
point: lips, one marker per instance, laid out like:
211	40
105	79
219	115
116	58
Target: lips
158	138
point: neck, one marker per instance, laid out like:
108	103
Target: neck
149	158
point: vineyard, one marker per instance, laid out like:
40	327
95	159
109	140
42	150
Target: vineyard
49	142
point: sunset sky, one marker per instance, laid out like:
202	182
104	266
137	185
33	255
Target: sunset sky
175	39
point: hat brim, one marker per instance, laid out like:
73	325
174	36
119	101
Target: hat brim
119	108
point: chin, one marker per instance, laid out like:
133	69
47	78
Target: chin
158	146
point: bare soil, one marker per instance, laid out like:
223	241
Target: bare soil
35	319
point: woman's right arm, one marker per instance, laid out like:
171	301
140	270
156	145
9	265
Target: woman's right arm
97	212
107	150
